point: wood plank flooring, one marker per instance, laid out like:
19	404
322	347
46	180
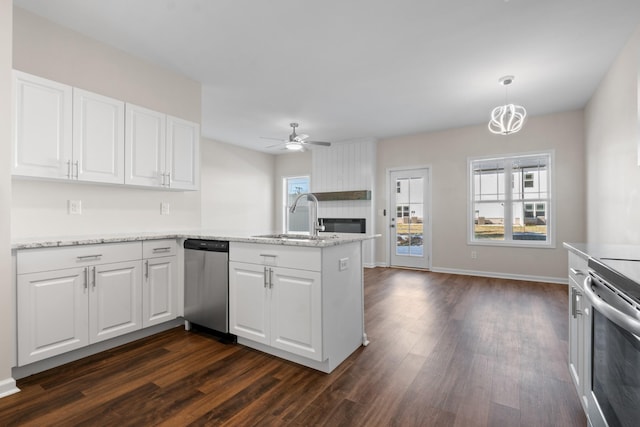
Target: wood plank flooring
445	350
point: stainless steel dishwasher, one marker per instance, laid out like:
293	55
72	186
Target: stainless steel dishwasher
206	285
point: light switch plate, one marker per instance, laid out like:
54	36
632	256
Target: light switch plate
74	207
164	208
344	264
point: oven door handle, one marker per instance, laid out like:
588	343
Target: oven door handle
616	316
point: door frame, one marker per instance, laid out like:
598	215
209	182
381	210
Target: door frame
391	211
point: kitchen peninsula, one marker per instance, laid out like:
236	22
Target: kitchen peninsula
297	297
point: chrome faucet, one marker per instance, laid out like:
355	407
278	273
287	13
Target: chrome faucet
314	224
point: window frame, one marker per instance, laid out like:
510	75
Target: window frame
470	217
285	201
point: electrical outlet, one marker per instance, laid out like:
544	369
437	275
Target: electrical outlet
344	264
474	255
74	207
164	208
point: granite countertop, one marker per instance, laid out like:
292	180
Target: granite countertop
623	260
604	251
329	239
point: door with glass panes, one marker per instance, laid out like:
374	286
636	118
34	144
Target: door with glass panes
409	214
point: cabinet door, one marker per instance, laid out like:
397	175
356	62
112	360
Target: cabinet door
42	127
145	147
98	138
53	309
114	300
296	302
248	302
158	291
183	154
576	354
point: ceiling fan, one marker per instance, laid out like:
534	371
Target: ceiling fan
296	142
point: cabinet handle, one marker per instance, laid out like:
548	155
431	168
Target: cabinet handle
165	181
575	312
146	269
269	255
94	277
271	278
159	250
86	277
266	278
68	169
577	272
75	164
88	257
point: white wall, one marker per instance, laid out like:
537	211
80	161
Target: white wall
287	165
40	208
237	189
612	138
7	343
447	153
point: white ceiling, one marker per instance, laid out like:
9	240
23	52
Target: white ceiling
347	69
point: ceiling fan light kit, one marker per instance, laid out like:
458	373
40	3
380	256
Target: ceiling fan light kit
509	118
293	146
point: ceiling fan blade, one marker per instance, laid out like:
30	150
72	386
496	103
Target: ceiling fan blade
323	143
273	139
276	145
301	136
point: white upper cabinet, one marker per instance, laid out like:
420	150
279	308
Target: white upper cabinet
42	135
62	132
162	151
183	153
66	133
98	138
146	146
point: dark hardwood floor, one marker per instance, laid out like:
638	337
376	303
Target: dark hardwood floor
445	350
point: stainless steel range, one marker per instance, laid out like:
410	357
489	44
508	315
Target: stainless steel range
612	290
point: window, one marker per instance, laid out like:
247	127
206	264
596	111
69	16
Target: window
299	220
510	200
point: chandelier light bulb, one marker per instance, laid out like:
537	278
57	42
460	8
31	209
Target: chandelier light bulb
509	118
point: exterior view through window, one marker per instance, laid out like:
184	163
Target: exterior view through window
511	200
409	216
299	220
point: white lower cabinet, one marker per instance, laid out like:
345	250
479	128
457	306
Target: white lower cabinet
579	326
249	302
296	304
159	289
53	313
114	300
276	306
63	310
73	296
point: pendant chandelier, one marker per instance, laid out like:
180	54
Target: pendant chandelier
508	118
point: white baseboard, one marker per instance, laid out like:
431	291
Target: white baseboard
493	274
496	275
8	387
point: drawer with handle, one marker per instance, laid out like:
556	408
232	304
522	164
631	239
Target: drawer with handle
58	258
578	268
159	248
301	258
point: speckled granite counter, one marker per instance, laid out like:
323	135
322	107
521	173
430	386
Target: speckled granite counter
328	239
604	251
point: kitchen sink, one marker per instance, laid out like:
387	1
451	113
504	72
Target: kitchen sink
301	237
